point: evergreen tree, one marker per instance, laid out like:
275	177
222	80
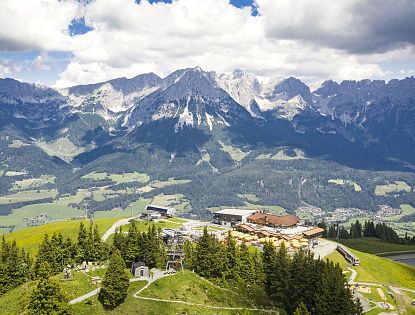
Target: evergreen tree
47	298
209	256
232	260
82	245
282	278
188	254
301	309
115	283
269	257
15	267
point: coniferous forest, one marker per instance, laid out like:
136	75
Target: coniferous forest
271	277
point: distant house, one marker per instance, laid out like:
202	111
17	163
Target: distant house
164	211
139	269
281	221
231	217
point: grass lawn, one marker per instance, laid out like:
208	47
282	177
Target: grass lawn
304	215
31	238
177	220
373	245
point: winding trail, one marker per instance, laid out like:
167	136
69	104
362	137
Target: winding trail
115	226
158	274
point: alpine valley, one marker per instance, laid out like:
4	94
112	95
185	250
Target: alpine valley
199	140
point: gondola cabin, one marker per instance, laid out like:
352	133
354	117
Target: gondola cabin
350	257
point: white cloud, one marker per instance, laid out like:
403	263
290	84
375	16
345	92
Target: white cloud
7	68
289	37
40	25
351	25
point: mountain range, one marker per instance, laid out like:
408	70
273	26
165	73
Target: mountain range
373	117
217	123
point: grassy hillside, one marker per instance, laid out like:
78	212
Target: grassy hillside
380	270
31	238
186	286
373	245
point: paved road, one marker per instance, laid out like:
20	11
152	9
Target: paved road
116	225
84	297
324	248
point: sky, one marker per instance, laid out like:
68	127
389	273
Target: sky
62	43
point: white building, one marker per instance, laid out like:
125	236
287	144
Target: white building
231	217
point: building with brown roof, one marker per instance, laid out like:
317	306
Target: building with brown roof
283	221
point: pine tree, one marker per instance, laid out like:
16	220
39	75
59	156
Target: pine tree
47	298
269	257
301	309
115	283
232	259
281	283
82	245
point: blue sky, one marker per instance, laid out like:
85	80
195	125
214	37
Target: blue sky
62	43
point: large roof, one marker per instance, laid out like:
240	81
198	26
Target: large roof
235	211
278	220
313	231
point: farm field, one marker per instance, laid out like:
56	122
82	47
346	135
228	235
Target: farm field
54	210
235	153
346	182
30	238
396	186
136	207
177	201
28	195
161	184
282	156
120	178
32	182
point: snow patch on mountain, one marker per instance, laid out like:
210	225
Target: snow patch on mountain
185	119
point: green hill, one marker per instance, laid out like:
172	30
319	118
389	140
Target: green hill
375	269
385	273
373	245
185	287
31	238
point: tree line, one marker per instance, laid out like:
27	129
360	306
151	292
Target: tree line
369	229
291	283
